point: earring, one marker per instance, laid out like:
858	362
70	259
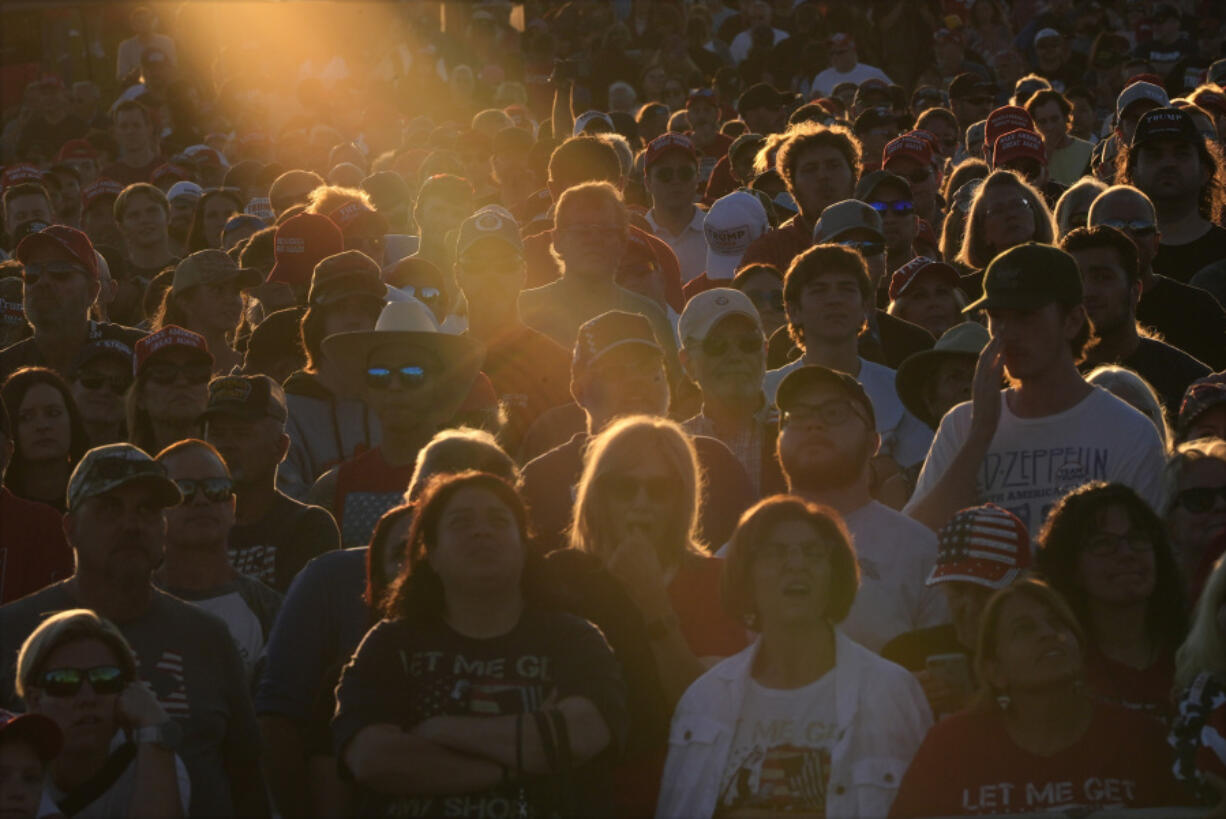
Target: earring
750	620
1004	701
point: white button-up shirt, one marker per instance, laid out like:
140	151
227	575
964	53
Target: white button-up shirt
690	246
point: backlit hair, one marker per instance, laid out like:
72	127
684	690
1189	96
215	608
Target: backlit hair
618	448
68	627
976	252
1129	386
1205	647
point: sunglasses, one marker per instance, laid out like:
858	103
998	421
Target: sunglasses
830	414
410	377
214	489
1201	499
766	299
666	175
426	295
1136	228
902	207
66	682
118	384
718	346
865	247
59	272
626	489
167	374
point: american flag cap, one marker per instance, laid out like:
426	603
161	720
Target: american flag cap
985	545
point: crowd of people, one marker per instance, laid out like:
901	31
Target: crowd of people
684	408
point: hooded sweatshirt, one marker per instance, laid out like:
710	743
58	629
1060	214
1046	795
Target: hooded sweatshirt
323	431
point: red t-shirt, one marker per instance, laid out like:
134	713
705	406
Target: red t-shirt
701	284
779	246
694	593
969	766
1142	689
721	183
33	550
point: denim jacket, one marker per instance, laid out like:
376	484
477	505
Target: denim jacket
882	717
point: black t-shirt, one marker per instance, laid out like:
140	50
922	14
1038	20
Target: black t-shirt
405	672
1187	317
1182	262
1168	370
275	548
25	353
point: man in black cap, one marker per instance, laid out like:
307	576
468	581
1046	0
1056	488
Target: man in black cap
116	525
273	535
1025	446
1172	163
762	108
827	438
972	98
1111	277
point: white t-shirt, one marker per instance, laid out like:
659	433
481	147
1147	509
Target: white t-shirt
896	555
903	436
690	246
828	80
780	755
1032	462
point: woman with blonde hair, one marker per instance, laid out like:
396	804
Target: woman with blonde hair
1006	211
636	509
1129	386
1073	206
1195	507
77	669
1198	732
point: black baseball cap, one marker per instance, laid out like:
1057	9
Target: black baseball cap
1028	277
1166	123
970	84
761	95
811	375
250	397
874	118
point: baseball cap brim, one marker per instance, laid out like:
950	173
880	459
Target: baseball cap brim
351	284
914	372
963	572
35	240
625	342
720	266
1030	300
165	490
39	730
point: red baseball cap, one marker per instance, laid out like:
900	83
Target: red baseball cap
301	242
1019	144
42	732
76	243
665	143
172	335
1003	120
908	145
97	189
904	276
76	149
173	170
20	173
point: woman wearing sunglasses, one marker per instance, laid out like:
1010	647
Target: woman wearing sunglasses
171	390
1107	553
48	435
1196	508
474	690
118	756
101	376
805	721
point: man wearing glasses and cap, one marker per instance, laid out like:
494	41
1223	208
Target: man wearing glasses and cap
116	525
61	279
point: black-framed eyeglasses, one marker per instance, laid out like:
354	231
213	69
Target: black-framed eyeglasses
165	374
865	247
626	489
902	207
1136	227
214	489
57	271
1106	544
685	173
1200	499
66	682
410	377
716	346
829	413
117	384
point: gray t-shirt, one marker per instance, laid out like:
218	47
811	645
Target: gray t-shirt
188	657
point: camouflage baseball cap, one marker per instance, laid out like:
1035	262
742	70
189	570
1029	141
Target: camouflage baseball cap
109	467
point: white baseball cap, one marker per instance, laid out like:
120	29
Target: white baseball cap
587	117
184	188
706	309
1141	91
731	225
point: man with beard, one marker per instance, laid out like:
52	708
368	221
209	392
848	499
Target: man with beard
273	536
618	370
1185	316
61	282
116	526
143	215
1110	276
827	438
1177	169
1049	431
819	165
